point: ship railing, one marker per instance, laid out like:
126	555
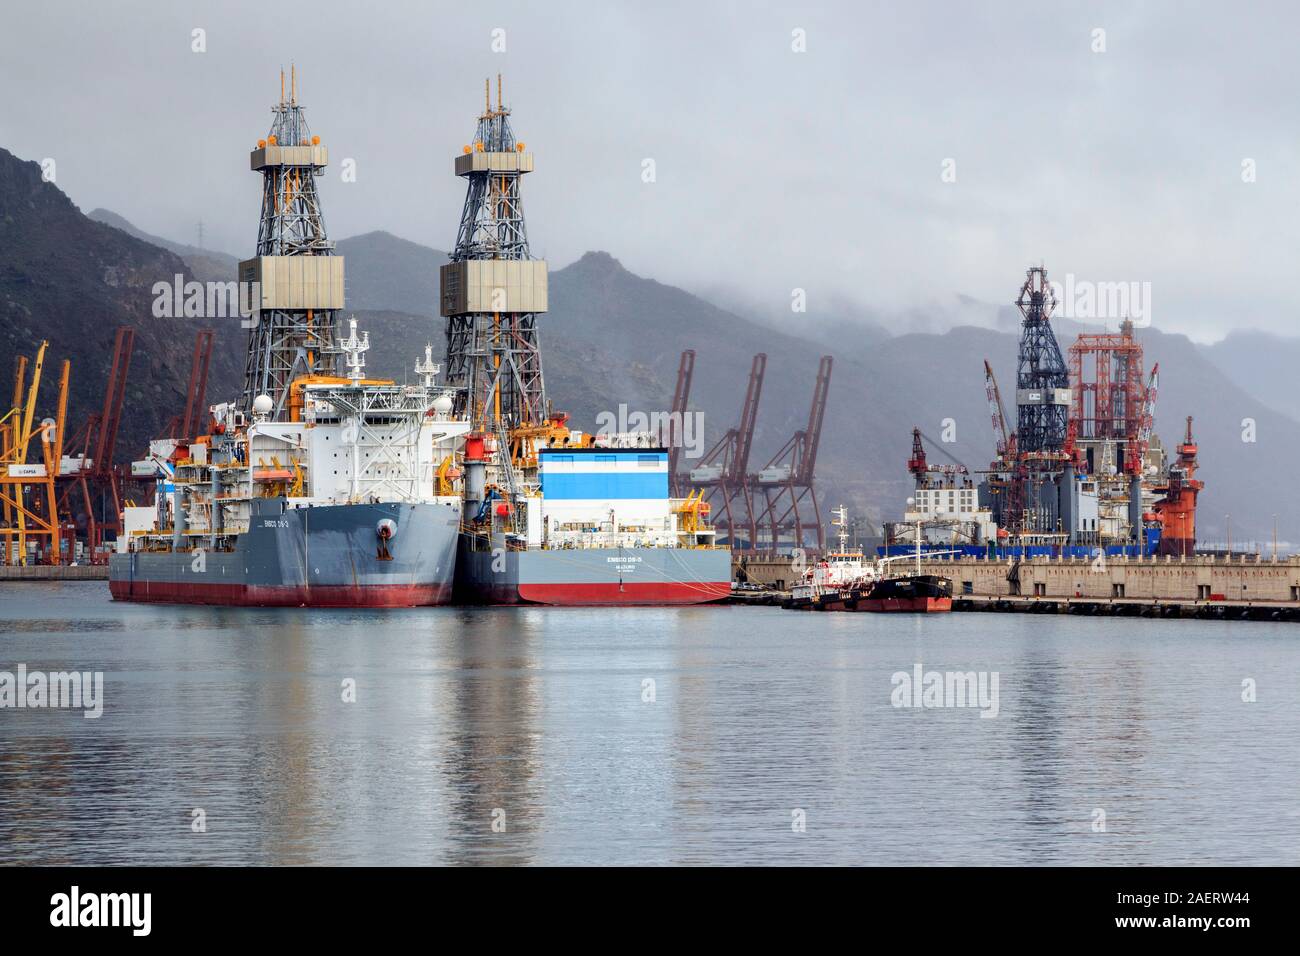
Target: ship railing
607	539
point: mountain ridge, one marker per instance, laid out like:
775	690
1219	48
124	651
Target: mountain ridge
612	337
72	281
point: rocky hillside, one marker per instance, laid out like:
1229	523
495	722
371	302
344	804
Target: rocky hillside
206	264
73	281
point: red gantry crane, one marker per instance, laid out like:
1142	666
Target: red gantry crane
721	476
96	477
786	481
681	398
186	427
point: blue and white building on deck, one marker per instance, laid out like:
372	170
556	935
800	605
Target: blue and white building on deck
621	492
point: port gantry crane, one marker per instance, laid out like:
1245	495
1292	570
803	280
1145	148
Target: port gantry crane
722	476
777	506
93	471
27	515
786	481
81	461
186	426
673	439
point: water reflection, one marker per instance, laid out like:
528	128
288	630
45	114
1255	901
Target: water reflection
493	709
641	736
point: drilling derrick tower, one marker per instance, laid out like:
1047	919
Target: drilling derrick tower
1042	380
493	290
1110	398
294	286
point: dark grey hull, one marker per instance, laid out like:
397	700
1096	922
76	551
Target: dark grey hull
326	556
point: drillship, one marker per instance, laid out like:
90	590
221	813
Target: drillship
316	488
587	524
552	515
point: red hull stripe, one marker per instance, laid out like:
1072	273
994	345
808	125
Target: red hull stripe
641	592
374	595
906	604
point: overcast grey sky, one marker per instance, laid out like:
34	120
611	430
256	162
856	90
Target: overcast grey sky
774	169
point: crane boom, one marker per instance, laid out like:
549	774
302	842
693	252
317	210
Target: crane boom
1145	424
996	411
748	417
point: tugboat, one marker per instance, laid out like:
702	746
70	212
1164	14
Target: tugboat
845	581
828	584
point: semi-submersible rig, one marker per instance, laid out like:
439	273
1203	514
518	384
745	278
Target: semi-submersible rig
1080	472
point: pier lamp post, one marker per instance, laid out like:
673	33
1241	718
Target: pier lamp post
1228	520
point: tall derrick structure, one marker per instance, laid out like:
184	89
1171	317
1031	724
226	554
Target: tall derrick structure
493	290
1111	421
551	515
1042	381
1034	477
1083	468
1110	396
298	278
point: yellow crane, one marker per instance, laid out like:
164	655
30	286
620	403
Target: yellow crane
17	477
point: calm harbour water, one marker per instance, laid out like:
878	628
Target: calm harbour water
538	717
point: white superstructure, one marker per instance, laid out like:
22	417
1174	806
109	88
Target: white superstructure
347	441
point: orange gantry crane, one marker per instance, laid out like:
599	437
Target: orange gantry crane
28	497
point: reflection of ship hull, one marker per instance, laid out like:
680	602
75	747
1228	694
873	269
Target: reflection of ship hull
592	576
925	593
323	556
